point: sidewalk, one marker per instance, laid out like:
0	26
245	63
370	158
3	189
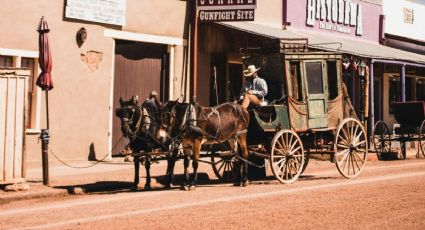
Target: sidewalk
109	176
65	180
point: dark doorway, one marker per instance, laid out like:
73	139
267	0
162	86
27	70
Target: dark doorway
235	80
218	79
139	69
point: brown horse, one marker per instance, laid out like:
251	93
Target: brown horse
139	125
195	125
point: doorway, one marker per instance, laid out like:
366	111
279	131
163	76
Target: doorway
139	68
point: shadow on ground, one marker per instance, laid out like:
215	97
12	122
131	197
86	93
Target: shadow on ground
111	187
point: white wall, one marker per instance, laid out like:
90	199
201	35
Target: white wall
394	23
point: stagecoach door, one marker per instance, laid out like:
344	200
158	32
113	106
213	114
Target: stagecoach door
316	87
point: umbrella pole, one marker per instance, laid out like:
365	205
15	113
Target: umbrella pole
44	136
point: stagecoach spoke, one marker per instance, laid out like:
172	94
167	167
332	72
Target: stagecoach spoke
282	169
281	151
344	140
347	137
355	160
215	163
343	160
291	143
295	150
297	163
280	145
221	166
342	146
352	163
280	161
343	152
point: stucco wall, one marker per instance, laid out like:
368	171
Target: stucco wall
269	12
80	101
394	22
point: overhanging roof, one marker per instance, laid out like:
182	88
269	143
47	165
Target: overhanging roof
331	42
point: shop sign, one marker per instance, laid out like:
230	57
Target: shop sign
335	15
226	10
102	11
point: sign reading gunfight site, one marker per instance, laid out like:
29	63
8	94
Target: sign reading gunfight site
226	10
335	15
103	11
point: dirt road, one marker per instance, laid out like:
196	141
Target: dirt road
387	195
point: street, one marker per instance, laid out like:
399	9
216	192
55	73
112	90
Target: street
387	195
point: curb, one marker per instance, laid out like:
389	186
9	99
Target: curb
32	195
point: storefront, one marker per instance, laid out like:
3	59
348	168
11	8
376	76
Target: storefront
353	28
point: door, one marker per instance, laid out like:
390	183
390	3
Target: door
316	94
139	69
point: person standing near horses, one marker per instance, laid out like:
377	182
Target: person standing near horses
154	106
254	88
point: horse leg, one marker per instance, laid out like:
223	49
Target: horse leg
136	172
186	172
195	162
244	151
170	168
148	173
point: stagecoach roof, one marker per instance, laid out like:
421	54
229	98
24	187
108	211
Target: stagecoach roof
357	47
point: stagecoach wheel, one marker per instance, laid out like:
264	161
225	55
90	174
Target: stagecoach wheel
422	138
381	139
224	164
287	156
350	148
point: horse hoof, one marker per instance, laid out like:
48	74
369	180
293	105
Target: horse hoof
186	188
147	188
134	188
245	183
192	188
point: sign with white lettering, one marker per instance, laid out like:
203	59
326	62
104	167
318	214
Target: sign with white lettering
103	11
335	15
226	10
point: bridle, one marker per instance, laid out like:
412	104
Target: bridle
132	129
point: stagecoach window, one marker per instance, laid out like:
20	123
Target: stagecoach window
296	83
332	80
314	77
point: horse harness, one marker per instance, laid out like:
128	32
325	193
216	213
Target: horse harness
190	125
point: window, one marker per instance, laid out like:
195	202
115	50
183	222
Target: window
394	94
408	15
314	77
420	89
332	80
296	81
29	63
6	61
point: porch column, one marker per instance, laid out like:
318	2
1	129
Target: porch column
403	83
371	98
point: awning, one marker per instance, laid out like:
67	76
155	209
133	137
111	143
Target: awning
341	44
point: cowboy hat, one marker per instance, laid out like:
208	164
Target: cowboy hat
153	93
250	71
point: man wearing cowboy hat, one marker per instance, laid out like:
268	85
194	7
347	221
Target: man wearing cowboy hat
254	88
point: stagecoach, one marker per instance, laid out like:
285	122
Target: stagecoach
308	112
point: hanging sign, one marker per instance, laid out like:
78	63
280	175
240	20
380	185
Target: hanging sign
335	15
226	10
103	11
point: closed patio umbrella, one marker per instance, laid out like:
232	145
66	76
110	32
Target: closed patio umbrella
44	81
